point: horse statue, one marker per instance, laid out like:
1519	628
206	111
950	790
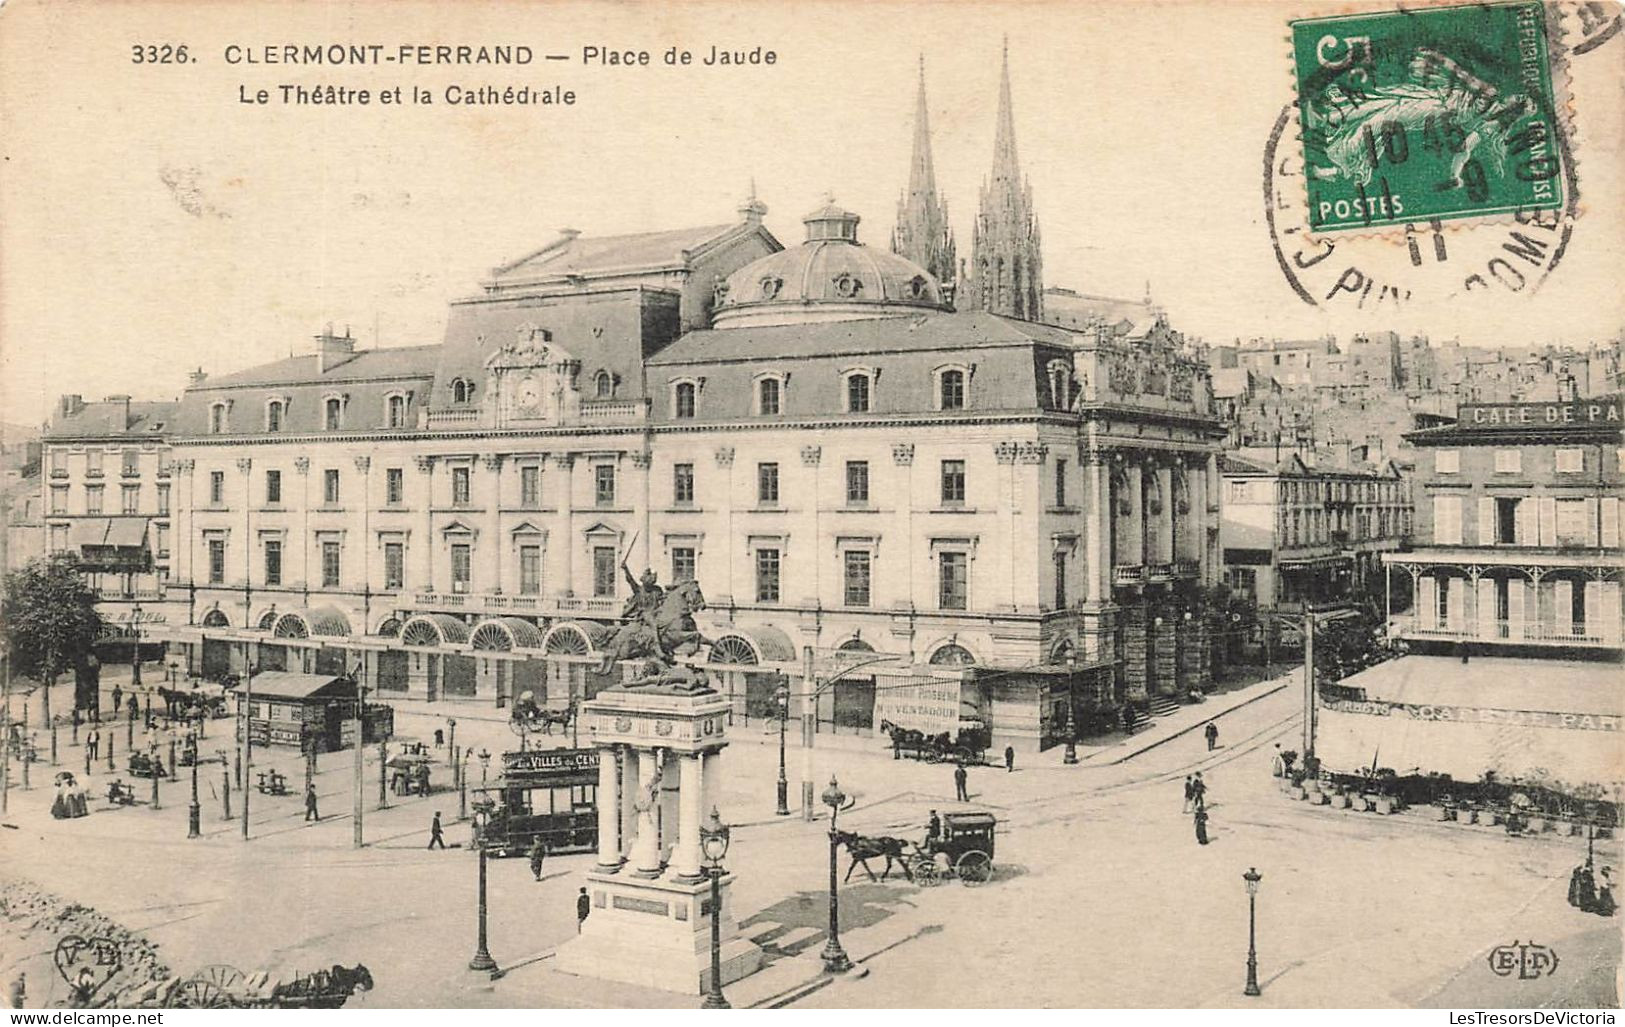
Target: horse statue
863	848
660	623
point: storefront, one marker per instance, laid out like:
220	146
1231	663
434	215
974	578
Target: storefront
289	709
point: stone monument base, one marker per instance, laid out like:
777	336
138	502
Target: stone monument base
656	933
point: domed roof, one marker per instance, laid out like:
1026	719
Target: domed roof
831	276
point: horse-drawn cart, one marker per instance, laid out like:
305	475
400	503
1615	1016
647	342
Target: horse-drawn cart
963	850
970	745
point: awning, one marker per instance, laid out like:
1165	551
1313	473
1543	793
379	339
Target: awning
428	629
1522	718
127	532
506	633
771	644
327	620
88	531
277	684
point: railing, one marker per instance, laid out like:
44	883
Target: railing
1504	631
438	418
130	472
93	472
614	410
1159	572
499	603
59	472
1128	574
1187	568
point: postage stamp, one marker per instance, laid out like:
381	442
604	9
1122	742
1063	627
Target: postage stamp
1427	114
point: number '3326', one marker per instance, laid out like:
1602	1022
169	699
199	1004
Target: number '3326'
159	53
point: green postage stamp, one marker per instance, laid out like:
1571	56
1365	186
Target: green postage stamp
1433	113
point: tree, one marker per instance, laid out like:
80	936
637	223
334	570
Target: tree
50	622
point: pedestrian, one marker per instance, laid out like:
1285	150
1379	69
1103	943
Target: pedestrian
1574	886
1277	763
1190	794
538	852
19	991
1212	732
961	776
310	805
118	698
1588	890
93	741
933	828
436	837
1201	826
1604	905
1199	791
583	908
1009	759
439	738
1128	720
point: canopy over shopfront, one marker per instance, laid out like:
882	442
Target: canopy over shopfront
1524	719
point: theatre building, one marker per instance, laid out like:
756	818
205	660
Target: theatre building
1515	628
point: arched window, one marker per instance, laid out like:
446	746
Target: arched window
951	390
952	655
462	391
767	396
333	413
397	411
858	393
683	400
218	422
273	415
603	385
1060	385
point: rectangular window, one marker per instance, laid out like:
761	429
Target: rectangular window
273	487
682	484
1506	521
953	482
1060	581
459	486
217	561
603	486
1238	492
462	566
330	486
767	484
682	563
768	391
1572	523
273	562
952	571
163	501
857	577
1060	483
59	537
394	486
162	541
1508	461
132	462
217	488
130	499
530	487
1571	460
59	463
93	499
394	565
59	499
1446	520
93	463
330	565
1446	461
857	482
603	571
767	575
530	570
857	393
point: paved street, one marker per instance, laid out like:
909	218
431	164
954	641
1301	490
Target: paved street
1102	895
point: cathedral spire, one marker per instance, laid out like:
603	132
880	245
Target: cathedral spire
922	233
1006	271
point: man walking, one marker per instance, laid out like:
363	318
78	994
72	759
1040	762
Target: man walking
1009	759
1201	826
1199	792
538	853
436	837
93	742
118	698
310	804
1190	794
1212	732
583	908
961	776
1277	763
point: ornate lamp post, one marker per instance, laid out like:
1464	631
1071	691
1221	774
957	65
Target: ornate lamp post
383	775
152	768
782	695
1252	877
451	743
194	812
135	655
485	764
835	959
1071	756
225	787
460	772
172	738
482	960
714	843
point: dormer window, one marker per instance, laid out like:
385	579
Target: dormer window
684	399
462	391
219	420
771	286
1060	384
767	396
847	286
603	385
395	410
860	389
951	388
333	413
275	412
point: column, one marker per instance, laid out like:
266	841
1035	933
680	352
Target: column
567	502
668	816
301	466
492	554
1134	648
1097	526
609	813
1133	545
424	556
1165	520
691	795
629	789
646	847
363	467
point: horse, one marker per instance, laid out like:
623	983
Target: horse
659	635
862	849
324	989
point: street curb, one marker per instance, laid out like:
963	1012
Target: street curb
1187	730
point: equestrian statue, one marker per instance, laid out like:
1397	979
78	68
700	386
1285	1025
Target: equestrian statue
658	628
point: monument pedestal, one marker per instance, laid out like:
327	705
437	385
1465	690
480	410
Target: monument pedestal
657	933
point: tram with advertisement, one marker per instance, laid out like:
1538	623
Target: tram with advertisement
551	794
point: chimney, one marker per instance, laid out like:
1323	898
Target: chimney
71	404
122	402
333	350
194	378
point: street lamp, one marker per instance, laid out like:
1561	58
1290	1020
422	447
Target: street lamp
482	960
135	656
782	695
194	812
1252	877
714	843
225	786
152	768
485	764
835	959
1071	756
460	772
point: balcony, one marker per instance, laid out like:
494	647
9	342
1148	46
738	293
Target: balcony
1187	568
130	472
501	604
1509	632
1128	574
59	472
1159	573
93	472
453	418
599	411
